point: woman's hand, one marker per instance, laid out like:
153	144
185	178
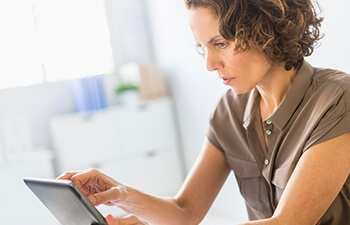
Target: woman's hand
98	187
128	220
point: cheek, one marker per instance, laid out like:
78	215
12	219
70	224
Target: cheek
247	63
239	63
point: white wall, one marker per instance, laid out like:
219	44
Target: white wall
37	103
334	48
196	91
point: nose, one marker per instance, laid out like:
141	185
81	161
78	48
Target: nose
214	62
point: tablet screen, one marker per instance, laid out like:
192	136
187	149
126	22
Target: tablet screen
65	201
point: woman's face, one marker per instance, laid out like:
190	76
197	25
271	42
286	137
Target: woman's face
241	71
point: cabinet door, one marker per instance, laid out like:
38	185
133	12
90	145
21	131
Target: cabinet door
149	128
158	172
82	142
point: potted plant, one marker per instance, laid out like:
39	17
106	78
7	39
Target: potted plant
128	93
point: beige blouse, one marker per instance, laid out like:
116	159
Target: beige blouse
316	108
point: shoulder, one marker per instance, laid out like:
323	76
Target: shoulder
331	77
331	86
326	106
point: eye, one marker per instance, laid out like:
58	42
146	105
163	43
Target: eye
222	44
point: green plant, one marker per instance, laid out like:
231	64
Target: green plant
126	86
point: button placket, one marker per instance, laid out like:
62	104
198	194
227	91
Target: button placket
268	127
268	132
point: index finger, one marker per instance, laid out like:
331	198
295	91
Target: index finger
67	175
77	177
85	179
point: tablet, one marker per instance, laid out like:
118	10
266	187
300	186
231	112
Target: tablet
65	201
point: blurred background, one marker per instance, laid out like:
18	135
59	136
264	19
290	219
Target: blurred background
115	85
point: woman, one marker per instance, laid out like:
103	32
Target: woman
283	127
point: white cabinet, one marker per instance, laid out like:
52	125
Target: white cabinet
82	141
157	173
137	145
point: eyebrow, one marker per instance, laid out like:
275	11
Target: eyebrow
213	39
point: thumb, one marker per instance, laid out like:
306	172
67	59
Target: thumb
110	220
128	220
112	195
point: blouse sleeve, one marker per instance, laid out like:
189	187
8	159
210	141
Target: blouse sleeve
334	121
211	132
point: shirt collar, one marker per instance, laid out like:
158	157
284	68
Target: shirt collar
289	104
252	106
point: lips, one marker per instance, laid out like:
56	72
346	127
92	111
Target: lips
227	80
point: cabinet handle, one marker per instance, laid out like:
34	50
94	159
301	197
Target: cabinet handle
95	165
151	153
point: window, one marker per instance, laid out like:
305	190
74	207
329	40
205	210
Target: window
52	40
20	61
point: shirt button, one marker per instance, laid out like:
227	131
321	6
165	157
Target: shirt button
266	162
268	132
268	122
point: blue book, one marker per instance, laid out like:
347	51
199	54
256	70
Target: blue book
101	92
79	96
88	94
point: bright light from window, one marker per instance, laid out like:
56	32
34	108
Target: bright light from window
20	62
52	40
75	38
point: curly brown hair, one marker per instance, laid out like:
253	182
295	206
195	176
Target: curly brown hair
284	30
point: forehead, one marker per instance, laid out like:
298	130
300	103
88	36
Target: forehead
204	24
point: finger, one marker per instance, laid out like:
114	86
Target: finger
95	179
110	220
88	181
128	220
67	175
111	195
82	178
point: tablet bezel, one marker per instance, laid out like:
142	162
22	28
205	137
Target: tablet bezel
65	201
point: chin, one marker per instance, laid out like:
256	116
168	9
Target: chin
240	90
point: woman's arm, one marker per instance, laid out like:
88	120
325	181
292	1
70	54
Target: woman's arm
316	181
203	182
188	207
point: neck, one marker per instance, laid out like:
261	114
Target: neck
273	89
